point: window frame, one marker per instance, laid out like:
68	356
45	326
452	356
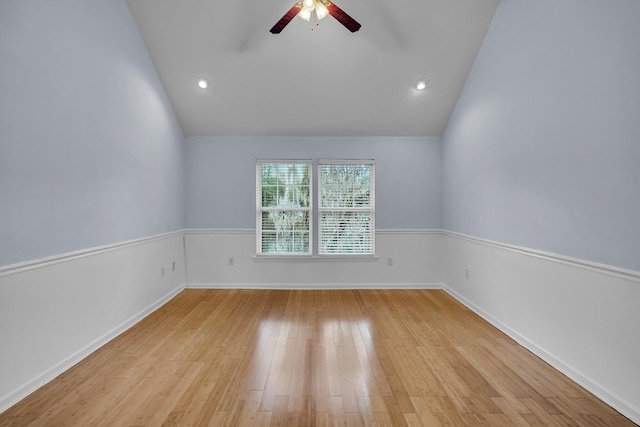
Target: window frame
371	208
261	209
314	211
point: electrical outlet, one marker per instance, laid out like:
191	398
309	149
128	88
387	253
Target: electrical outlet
231	261
162	272
173	266
466	273
389	262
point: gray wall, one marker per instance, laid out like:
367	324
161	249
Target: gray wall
543	148
221	176
90	150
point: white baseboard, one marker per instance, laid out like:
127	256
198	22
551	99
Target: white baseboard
7	401
315	286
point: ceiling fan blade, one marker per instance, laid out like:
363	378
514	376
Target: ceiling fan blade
286	19
351	24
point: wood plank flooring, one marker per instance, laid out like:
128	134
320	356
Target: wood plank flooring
312	358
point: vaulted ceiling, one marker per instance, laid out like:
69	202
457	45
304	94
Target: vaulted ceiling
326	81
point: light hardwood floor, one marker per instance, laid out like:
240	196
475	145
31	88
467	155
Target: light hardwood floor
302	358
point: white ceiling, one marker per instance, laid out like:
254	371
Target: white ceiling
328	81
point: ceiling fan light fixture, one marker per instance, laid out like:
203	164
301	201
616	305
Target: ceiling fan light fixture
321	10
305	8
305	14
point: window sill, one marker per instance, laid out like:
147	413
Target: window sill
317	258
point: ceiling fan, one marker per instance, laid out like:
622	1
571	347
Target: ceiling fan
322	8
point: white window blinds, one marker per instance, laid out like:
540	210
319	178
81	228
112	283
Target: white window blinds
284	207
346	208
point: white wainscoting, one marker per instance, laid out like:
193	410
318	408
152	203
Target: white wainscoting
56	311
582	318
417	259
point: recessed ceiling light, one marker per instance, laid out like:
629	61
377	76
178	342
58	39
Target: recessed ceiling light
421	84
203	83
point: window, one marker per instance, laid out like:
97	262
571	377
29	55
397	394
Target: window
284	207
346	208
286	214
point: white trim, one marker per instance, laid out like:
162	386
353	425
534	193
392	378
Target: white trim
252	231
621	405
410	231
317	258
346	161
70	256
219	231
592	266
281	161
562	259
11	399
316	286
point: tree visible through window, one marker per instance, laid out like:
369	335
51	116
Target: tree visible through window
285	212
